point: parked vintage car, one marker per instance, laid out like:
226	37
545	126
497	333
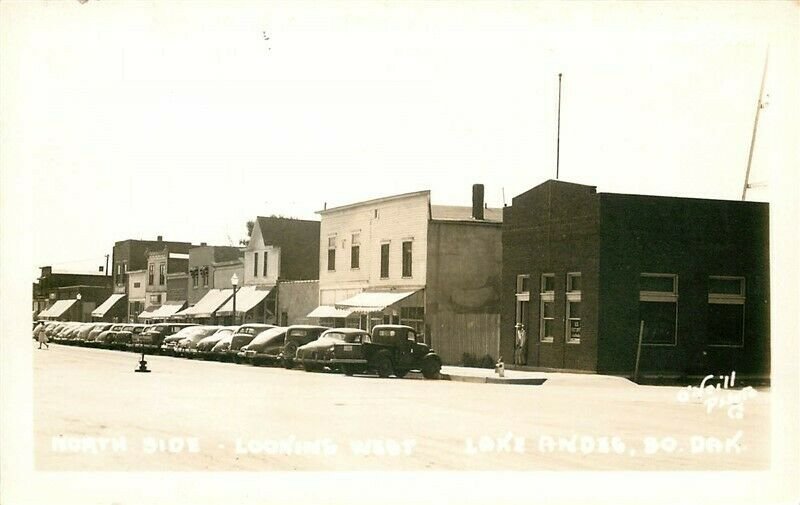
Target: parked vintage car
243	336
317	355
204	346
65	333
153	338
297	335
220	349
266	347
390	350
124	339
171	341
92	334
62	329
190	341
81	335
70	336
105	338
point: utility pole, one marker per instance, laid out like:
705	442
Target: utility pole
558	128
106	265
759	106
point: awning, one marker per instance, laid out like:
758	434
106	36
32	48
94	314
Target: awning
58	308
107	305
366	302
329	311
148	312
206	306
247	297
165	310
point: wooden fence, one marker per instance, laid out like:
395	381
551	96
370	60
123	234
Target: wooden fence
452	335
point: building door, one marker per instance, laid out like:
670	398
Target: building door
521	321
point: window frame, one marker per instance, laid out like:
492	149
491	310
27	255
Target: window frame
572	296
255	264
661	297
407	261
355	250
730	299
151	274
331	266
546	297
265	268
162	274
388	246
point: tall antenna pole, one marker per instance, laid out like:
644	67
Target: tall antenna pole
759	106
558	131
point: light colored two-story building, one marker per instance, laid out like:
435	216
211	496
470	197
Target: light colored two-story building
400	259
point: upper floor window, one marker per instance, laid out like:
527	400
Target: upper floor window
523	284
255	264
573	308
332	253
119	274
150	269
194	274
726	297
162	274
265	263
407	258
385	261
547	316
658	308
355	250
204	272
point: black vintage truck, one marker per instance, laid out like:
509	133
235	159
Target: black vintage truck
391	349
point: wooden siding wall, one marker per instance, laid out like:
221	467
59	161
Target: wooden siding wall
452	335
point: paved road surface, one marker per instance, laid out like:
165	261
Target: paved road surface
195	415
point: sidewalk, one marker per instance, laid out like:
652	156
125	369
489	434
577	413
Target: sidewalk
524	377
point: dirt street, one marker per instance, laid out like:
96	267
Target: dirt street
92	412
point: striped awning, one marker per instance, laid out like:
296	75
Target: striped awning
206	306
57	309
373	301
107	305
329	311
247	297
163	311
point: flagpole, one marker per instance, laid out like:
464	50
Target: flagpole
558	128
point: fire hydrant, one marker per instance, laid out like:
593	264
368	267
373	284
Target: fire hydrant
500	367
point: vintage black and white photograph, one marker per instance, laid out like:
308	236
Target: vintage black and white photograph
428	252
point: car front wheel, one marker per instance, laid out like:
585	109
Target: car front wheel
383	365
431	367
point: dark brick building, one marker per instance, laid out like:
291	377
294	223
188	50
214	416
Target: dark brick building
53	286
582	269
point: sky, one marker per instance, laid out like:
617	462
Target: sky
137	119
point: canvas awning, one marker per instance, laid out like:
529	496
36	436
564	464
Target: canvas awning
367	302
165	310
148	312
329	311
58	309
107	305
247	297
206	306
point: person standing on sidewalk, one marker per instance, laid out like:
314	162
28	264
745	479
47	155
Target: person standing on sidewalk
519	352
41	336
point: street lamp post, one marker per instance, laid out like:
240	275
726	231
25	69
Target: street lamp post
80	306
235	284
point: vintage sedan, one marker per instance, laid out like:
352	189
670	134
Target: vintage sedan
92	334
104	339
221	349
243	336
297	335
154	337
391	349
204	346
188	344
171	341
266	347
317	355
124	339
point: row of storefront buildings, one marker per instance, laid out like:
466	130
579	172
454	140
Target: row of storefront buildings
564	278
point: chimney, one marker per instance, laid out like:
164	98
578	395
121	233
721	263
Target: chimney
477	201
159	238
203	244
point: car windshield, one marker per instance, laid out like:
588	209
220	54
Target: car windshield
299	333
117	327
128	328
356	338
137	329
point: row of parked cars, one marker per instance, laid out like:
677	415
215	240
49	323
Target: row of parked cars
387	350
